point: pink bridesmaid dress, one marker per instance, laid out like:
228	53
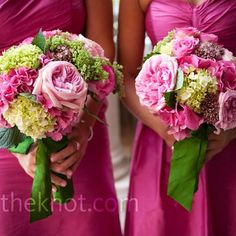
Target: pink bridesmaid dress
150	211
94	209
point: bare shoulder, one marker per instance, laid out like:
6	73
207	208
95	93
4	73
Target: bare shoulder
144	4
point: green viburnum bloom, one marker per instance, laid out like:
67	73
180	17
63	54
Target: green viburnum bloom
26	55
196	86
30	117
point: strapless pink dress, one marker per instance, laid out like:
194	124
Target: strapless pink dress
94	209
150	211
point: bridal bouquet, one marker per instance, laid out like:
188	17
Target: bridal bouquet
44	83
189	82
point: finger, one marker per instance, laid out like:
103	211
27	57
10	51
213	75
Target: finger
75	166
58	181
70	161
56	168
69	150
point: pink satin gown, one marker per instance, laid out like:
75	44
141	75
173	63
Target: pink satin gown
94	209
150	211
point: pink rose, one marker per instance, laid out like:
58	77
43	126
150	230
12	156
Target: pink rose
102	88
158	75
228	56
227	110
180	121
62	84
208	38
181	33
225	72
184	46
92	47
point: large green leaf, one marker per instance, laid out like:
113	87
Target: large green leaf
187	160
10	137
40	207
40	41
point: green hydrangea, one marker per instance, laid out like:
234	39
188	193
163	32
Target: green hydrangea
57	40
162	47
196	85
164	44
26	55
90	68
29	117
119	79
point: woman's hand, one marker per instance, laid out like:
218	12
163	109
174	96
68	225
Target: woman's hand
28	163
67	160
216	143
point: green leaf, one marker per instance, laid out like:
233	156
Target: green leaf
40	207
180	79
170	98
187	160
40	204
29	96
10	137
23	147
40	41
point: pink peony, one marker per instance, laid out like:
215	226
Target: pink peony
227	110
158	75
180	121
60	82
102	88
92	47
184	46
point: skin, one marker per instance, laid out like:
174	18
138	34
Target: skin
130	55
99	27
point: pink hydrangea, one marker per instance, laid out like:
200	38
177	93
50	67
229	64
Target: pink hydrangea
227	110
22	79
62	84
17	81
102	88
65	120
158	75
180	121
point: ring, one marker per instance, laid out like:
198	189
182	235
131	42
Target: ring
77	145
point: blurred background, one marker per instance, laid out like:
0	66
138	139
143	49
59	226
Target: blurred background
121	130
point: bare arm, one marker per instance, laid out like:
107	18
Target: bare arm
130	55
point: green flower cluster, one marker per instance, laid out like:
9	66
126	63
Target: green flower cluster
163	47
119	79
90	68
197	84
26	55
29	117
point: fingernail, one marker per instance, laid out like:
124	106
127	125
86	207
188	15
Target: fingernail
54	189
63	184
69	173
